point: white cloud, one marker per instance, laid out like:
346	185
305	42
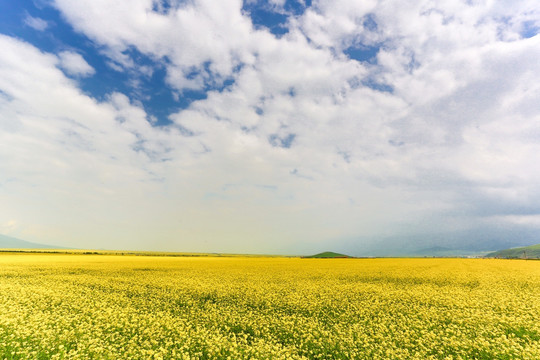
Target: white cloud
74	64
452	144
189	36
526	220
36	23
62	153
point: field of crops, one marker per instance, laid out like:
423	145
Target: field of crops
143	307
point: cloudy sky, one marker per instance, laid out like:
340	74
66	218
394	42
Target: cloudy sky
275	126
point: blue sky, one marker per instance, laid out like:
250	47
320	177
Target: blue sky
270	126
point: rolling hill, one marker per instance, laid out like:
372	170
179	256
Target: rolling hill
526	252
328	255
8	242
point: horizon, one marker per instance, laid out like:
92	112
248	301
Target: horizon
9	244
270	127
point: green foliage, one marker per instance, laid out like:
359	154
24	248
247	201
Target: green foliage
526	252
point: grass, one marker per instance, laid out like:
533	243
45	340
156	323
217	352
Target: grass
526	252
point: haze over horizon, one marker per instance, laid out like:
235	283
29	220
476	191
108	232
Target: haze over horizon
279	126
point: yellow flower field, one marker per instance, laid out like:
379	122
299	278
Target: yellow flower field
77	306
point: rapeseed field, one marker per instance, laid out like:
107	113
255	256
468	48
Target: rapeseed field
58	306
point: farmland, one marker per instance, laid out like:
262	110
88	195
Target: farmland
77	306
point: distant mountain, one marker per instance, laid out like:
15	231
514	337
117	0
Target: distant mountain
328	255
8	242
441	251
526	252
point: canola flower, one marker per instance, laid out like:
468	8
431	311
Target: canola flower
57	306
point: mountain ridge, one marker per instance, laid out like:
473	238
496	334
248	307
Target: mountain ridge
8	242
524	252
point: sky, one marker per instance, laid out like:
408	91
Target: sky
279	126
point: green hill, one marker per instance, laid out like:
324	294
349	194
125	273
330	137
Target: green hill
328	255
526	252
